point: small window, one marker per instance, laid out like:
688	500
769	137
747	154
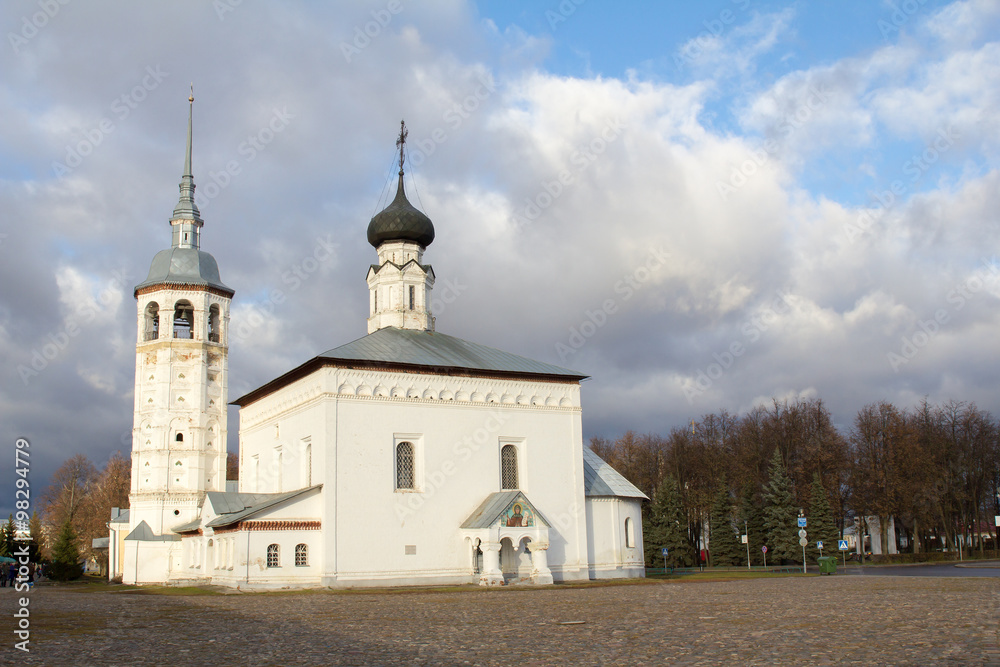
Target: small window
179	437
508	468
213	324
301	555
376	302
629	538
273	555
404	465
411	297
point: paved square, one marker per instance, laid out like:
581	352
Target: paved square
788	621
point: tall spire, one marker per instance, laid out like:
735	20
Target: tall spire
186	209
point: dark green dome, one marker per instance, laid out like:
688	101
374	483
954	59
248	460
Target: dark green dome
400	221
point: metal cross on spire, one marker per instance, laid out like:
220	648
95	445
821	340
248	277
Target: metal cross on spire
401	143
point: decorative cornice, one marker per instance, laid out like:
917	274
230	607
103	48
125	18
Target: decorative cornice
180	287
260	525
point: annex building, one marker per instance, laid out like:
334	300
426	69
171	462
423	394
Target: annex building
407	456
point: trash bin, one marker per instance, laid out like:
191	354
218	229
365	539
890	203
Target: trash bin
827	565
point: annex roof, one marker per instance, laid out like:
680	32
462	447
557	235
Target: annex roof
243	509
143	533
600	479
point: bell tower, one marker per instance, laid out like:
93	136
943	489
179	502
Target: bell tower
400	284
181	373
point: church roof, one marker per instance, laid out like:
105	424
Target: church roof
427	351
184	266
437	350
244	505
600	479
489	511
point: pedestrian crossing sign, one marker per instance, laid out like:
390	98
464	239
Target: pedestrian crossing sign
842	545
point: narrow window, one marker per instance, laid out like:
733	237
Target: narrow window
629	539
273	555
411	297
301	555
404	465
508	468
152	329
213	324
179	437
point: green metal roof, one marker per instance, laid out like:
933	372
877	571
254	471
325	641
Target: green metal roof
237	500
438	350
184	266
400	221
600	479
497	503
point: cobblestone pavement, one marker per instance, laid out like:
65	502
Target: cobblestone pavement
786	621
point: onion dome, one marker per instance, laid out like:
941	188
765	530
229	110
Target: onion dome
400	221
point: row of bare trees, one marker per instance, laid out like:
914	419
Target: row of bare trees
933	469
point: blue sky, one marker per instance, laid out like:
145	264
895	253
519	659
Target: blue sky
814	185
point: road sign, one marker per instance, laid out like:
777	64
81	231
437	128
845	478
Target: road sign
764	548
842	545
664	551
819	545
803	541
802	522
743	539
802	532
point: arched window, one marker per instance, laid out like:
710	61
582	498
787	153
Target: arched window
404	465
183	319
179	437
629	537
508	468
273	555
152	328
213	324
301	555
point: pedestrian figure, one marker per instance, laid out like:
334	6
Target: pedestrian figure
3	577
12	573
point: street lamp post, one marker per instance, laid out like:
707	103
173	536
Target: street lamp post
747	534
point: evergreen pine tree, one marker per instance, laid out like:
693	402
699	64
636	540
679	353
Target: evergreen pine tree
65	556
7	534
822	526
667	527
722	544
752	518
780	514
35	545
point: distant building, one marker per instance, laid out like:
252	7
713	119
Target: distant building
404	457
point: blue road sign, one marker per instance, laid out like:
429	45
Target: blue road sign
842	545
664	551
802	522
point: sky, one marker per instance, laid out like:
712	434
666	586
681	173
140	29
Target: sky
702	206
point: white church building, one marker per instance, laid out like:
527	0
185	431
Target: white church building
407	456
